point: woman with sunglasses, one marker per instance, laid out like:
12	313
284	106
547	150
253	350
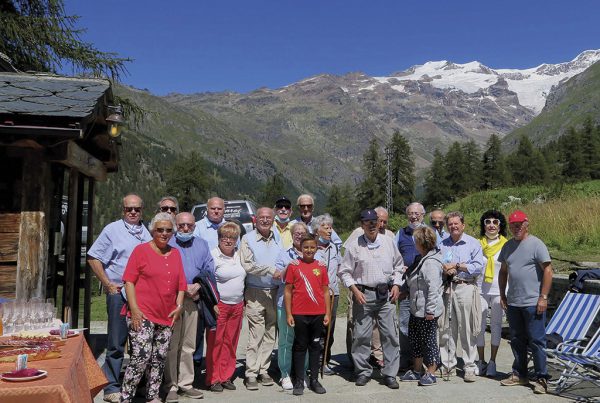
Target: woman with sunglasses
154	284
493	237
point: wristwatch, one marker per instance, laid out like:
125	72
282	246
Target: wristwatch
544	297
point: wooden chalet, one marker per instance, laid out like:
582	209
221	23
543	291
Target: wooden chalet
54	146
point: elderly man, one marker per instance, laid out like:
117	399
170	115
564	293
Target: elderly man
197	261
258	253
306	205
206	228
168	204
282	227
376	350
526	267
437	219
108	257
372	269
415	212
463	263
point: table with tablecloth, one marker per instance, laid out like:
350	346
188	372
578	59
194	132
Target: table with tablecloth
75	377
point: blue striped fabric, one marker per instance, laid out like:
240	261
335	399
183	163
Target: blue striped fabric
574	316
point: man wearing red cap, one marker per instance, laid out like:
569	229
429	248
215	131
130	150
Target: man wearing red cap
526	267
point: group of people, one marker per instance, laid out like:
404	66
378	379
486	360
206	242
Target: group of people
178	284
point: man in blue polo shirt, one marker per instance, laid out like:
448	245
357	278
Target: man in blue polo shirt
108	257
206	228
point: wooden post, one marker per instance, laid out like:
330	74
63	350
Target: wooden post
87	301
72	254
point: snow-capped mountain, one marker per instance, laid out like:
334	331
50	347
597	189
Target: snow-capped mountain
531	85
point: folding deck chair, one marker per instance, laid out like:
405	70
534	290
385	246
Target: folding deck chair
581	363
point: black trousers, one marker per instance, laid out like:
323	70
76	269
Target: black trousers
307	336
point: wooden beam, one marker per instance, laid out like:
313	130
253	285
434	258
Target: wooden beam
10	222
9	246
76	157
8	281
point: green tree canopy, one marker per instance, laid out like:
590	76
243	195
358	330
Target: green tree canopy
187	179
274	188
495	174
403	172
39	35
371	191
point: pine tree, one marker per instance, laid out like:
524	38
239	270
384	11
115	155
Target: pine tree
455	170
341	205
403	172
38	35
473	166
495	174
590	148
371	191
274	188
188	180
437	192
527	164
573	159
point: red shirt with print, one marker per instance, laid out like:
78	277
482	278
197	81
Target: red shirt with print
157	281
308	280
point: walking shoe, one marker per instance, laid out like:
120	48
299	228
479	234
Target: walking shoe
470	376
491	369
265	379
172	397
216	387
327	370
445	372
316	387
228	385
298	389
286	383
251	383
428	379
112	397
540	386
361	380
390	382
481	368
410	376
193	393
514	380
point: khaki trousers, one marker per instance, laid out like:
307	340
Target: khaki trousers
261	312
179	367
461	329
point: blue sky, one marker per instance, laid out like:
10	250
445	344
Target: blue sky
201	45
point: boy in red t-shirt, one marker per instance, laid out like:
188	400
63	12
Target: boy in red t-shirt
307	310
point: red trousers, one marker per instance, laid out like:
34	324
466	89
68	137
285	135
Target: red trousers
222	344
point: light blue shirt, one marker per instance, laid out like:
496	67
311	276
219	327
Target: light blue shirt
207	230
439	237
113	247
195	257
466	250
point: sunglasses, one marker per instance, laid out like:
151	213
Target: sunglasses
184	224
305	205
285	206
165	209
493	221
132	209
163	230
437	223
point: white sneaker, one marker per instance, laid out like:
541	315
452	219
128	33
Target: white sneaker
286	383
491	369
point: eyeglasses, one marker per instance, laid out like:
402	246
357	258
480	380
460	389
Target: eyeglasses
493	221
414	213
132	209
165	209
298	234
437	223
163	230
264	219
185	224
285	206
227	239
303	206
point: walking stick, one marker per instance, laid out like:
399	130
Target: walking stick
331	298
449	330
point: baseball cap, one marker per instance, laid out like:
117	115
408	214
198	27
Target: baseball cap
368	215
517	216
283	201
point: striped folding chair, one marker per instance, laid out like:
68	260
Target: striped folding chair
581	363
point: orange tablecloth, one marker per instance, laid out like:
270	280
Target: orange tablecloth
75	377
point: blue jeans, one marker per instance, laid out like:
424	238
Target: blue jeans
406	353
115	345
527	329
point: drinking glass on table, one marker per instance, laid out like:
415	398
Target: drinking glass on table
8	324
19	319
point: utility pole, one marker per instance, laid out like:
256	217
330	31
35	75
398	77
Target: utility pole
389	202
